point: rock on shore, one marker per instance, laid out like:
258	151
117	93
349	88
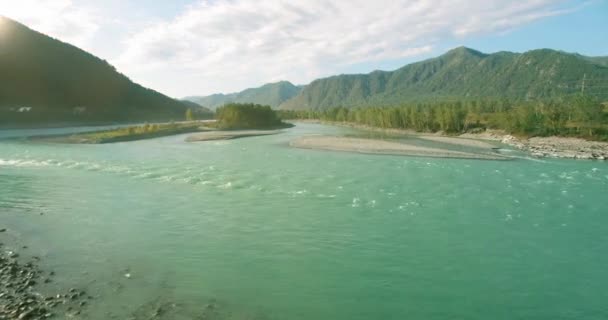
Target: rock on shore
560	147
20	297
540	147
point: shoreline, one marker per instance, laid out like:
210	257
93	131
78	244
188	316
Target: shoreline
560	147
64	125
24	288
103	137
539	147
383	147
548	147
125	133
201	130
31	290
229	135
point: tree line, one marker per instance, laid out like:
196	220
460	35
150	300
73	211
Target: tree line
580	115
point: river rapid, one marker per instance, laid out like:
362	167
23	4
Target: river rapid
254	229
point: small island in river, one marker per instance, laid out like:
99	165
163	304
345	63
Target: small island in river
240	120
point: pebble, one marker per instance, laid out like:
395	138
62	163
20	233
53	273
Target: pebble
560	147
19	298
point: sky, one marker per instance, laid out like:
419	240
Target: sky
200	47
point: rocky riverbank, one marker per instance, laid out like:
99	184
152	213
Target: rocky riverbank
540	147
560	147
552	147
28	292
21	285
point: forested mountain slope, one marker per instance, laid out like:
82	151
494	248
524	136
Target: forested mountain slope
271	94
462	73
44	80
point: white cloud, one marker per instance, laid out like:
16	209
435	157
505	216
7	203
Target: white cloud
486	18
231	44
61	19
228	45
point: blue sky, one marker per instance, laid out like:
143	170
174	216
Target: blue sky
197	47
583	31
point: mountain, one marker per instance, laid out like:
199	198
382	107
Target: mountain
45	81
603	61
196	107
461	73
271	94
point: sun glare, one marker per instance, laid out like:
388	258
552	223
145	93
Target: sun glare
2	28
6	29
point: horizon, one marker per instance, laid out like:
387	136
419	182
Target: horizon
162	52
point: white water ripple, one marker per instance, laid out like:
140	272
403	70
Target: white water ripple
162	174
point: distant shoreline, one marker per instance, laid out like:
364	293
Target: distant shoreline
124	134
384	147
539	147
229	135
151	131
61	125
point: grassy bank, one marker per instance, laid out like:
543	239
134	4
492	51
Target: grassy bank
132	133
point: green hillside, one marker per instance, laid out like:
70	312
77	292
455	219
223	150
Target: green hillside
46	81
271	94
461	73
197	108
597	60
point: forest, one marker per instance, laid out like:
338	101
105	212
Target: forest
578	116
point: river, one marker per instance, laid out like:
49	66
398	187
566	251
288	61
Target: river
254	229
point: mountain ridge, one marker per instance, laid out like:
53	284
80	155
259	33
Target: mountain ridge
45	80
460	73
272	94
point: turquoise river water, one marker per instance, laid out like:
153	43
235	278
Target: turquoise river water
260	230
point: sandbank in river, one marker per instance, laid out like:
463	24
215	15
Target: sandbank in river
228	135
540	147
375	146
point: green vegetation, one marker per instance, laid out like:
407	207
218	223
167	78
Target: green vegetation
271	94
580	116
247	116
189	115
132	133
462	74
45	81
